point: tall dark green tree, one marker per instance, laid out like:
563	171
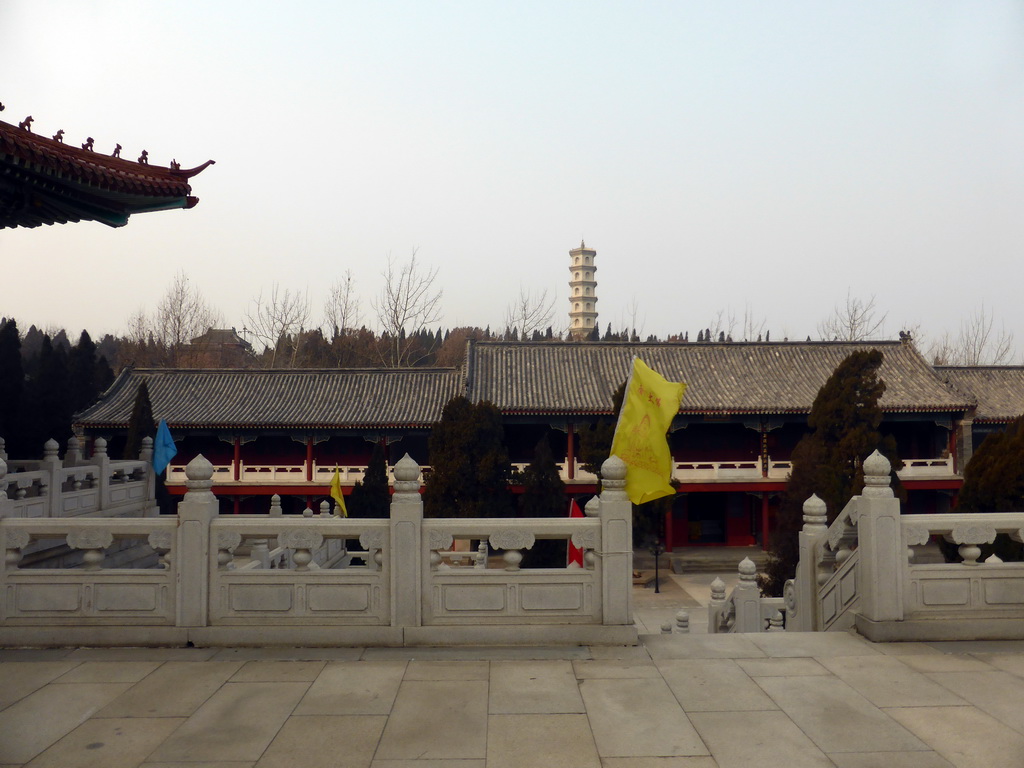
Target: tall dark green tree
543	496
596	438
470	465
994	482
12	387
844	423
84	373
371	497
140	424
49	401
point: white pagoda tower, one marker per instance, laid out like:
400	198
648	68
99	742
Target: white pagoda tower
582	292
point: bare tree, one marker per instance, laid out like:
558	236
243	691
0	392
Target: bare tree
529	312
277	321
182	315
342	312
978	343
753	326
856	320
407	304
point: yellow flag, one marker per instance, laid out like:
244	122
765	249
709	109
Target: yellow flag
648	408
337	495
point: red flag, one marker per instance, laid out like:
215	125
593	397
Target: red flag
575	553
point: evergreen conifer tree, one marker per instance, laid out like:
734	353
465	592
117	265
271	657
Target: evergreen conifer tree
49	403
371	497
543	496
471	469
84	373
994	482
12	384
844	423
140	424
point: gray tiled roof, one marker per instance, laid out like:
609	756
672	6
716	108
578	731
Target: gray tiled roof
999	390
281	398
765	378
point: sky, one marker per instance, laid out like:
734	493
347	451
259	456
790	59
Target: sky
725	160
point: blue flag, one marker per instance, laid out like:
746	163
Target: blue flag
165	449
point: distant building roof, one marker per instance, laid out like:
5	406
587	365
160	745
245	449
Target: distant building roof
998	389
280	399
45	181
729	378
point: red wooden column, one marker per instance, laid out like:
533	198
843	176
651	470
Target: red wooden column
236	462
764	521
309	459
669	533
570	457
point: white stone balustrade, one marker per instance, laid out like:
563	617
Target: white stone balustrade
860	572
77	486
243	579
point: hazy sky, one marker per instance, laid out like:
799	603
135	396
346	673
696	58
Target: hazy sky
738	156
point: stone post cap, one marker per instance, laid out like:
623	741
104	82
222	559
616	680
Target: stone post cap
814	513
99	446
3	468
407	470
718	589
876	475
199	473
747	570
613	468
50	449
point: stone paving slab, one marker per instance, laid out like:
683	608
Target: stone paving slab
889	760
564	740
965	736
109	672
886	682
325	741
744	739
533	687
353	688
237	723
108	743
713	685
999	694
175	689
636	718
35	722
437	719
19	680
837	718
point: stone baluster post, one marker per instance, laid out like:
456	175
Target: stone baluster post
803	607
73	455
716	606
747	599
4	502
52	485
102	462
880	537
616	544
3	450
405	554
195	556
146	455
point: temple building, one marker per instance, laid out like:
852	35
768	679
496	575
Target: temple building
582	292
745	409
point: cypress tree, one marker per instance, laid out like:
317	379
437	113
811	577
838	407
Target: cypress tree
844	422
371	497
994	482
50	410
141	423
471	469
12	385
543	496
84	373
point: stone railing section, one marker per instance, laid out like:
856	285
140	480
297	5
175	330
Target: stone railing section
97	486
861	572
320	579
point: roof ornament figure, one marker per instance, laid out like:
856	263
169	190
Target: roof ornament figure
2	107
175	165
88	144
117	151
59	136
26	124
144	157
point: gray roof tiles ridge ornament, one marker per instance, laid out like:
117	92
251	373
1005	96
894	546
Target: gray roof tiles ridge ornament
554	378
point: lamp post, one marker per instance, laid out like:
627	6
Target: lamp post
657	549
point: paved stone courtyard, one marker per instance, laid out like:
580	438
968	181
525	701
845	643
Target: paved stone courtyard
679	701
